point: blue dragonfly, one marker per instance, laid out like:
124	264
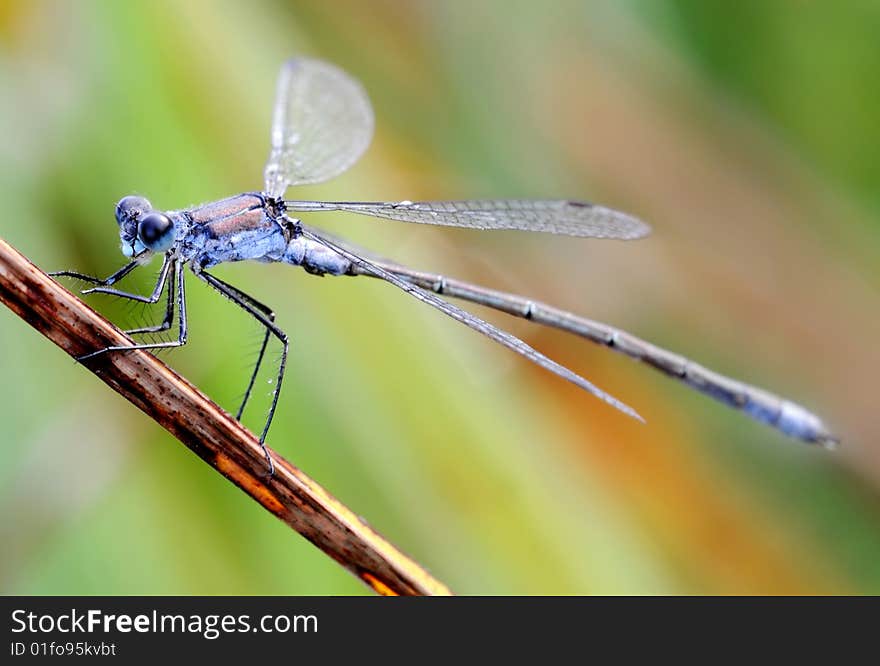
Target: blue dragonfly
322	124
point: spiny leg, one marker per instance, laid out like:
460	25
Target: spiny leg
153	298
167	264
169	315
106	282
181	336
244	302
265	309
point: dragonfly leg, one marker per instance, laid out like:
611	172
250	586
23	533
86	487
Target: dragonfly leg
167	264
258	312
182	331
166	321
105	282
270	315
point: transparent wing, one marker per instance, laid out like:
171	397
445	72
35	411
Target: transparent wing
475	323
571	218
322	124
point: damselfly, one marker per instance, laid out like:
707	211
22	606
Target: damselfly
322	124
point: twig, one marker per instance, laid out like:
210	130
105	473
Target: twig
208	431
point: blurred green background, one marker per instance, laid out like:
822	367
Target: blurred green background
745	133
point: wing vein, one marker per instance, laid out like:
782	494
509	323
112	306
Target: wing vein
556	216
477	324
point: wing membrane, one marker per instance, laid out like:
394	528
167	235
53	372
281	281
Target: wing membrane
477	324
322	124
570	218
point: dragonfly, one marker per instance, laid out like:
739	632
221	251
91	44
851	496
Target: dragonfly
322	124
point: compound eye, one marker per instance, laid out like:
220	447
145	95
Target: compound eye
131	207
153	231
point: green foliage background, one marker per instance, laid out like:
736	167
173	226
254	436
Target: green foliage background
746	133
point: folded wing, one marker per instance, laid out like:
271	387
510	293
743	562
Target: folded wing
557	216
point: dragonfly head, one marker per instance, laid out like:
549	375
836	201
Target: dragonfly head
141	228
